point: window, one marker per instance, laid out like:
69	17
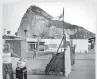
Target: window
34	45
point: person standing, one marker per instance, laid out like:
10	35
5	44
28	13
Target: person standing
7	64
34	53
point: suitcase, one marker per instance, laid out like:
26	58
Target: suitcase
21	73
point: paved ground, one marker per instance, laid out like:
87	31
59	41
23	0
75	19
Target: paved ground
84	68
38	63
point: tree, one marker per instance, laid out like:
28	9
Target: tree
8	32
25	32
16	33
55	32
34	36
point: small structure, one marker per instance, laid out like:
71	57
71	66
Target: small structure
17	44
51	43
32	43
81	45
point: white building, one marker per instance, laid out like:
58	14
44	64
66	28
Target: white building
81	45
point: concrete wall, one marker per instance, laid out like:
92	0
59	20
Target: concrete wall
52	41
81	45
67	61
15	45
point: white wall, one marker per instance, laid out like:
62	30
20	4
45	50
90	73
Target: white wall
81	45
53	41
67	61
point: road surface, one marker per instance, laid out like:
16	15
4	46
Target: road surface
84	68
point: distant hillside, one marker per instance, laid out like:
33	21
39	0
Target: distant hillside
38	22
79	32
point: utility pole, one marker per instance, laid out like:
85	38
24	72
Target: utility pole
25	31
64	43
39	40
38	44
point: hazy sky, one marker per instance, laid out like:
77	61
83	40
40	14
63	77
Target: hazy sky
80	13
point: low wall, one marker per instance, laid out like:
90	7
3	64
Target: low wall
81	45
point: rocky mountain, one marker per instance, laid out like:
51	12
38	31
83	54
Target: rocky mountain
39	23
35	20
